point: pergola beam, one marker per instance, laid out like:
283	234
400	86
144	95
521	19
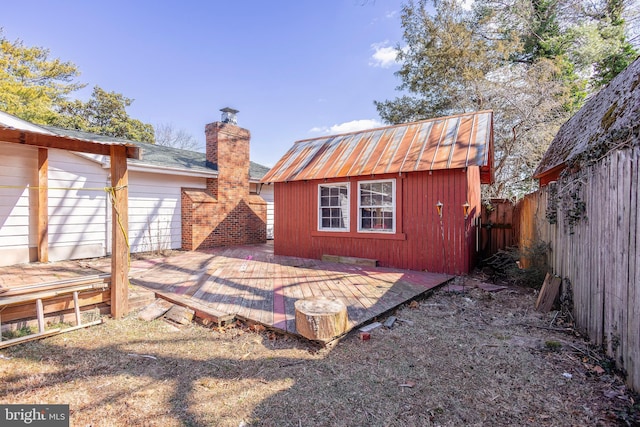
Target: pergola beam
118	153
42	140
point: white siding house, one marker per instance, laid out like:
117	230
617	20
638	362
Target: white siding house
79	208
18	166
267	194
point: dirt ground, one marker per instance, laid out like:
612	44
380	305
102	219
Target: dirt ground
468	358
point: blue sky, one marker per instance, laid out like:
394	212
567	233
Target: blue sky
294	69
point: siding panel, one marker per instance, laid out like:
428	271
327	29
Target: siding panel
154	210
77	207
423	241
18	167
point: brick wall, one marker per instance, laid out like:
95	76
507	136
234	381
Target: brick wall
224	214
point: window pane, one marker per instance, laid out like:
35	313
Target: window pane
333	207
365	198
376	206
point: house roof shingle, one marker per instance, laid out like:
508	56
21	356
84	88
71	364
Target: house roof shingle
159	155
441	143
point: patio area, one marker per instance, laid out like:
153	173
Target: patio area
252	284
248	283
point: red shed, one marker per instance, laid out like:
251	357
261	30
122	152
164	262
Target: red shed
406	195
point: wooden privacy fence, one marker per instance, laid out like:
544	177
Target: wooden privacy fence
590	220
497	227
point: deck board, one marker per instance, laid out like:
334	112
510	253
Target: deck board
252	283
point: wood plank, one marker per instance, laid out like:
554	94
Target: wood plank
225	293
179	314
154	310
291	294
279	309
53	305
632	357
350	260
27	338
42	233
598	299
76	308
252	290
202	311
622	246
548	293
609	243
62	142
40	315
359	303
40	287
24	298
255	282
267	317
119	227
206	287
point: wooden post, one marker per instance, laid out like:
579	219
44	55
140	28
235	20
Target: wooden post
119	232
40	315
43	205
76	307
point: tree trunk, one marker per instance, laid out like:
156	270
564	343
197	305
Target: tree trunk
320	318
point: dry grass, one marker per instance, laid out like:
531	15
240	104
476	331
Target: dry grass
470	359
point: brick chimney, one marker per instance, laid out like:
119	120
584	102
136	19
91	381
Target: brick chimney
225	213
228	150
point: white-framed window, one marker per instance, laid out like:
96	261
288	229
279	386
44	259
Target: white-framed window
333	207
377	206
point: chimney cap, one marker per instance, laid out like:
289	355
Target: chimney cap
229	115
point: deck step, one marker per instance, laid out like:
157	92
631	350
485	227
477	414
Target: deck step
350	260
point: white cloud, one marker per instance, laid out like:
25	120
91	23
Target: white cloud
346	127
384	56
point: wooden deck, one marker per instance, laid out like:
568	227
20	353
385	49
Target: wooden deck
251	283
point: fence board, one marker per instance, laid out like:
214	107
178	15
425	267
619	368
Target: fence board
623	246
497	227
632	356
598	254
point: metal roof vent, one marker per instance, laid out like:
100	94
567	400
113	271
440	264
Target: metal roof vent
229	116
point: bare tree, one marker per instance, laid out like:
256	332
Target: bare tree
167	135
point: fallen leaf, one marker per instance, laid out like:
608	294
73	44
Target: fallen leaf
610	394
597	369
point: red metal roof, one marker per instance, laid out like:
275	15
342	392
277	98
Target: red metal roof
453	142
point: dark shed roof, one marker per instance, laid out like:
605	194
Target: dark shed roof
608	120
453	142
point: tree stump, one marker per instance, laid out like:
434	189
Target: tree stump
321	318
